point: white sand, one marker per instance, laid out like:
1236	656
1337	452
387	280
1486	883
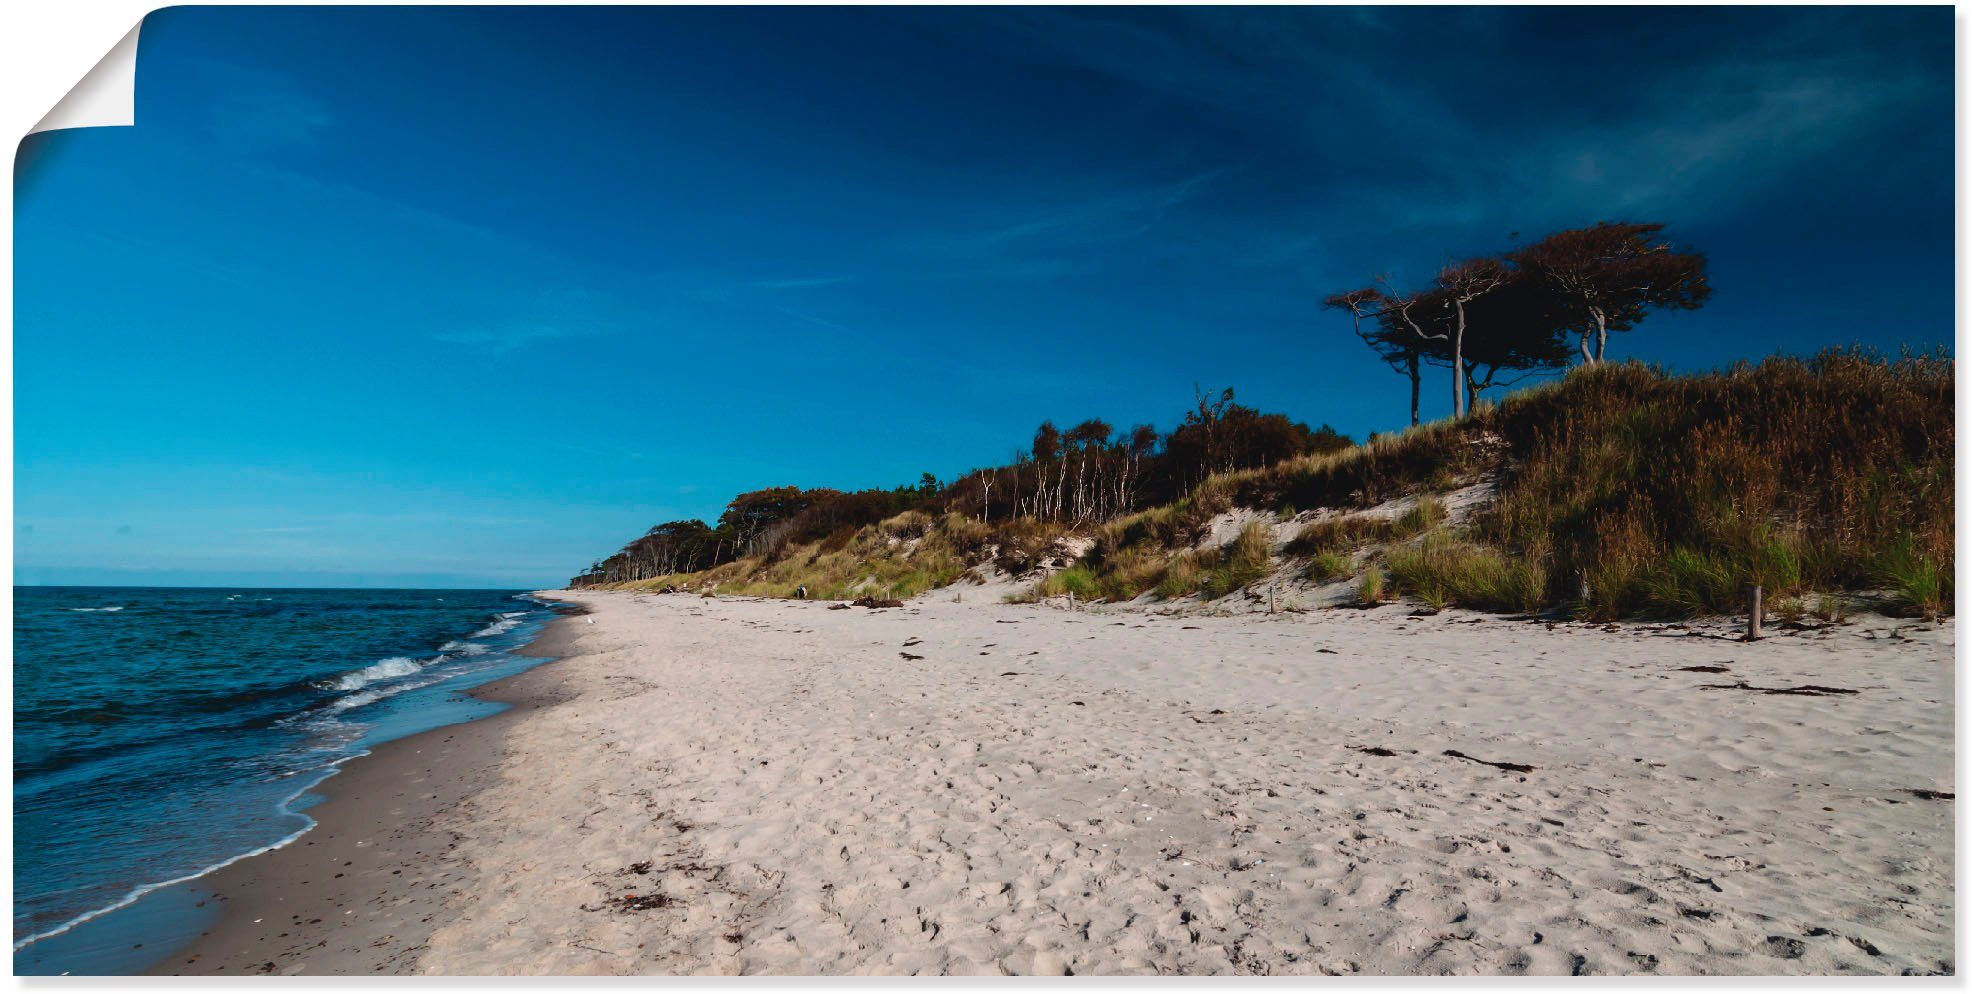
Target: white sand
1111	793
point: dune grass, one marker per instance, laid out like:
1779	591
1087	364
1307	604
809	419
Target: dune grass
1244	561
1371	587
1323	567
1444	571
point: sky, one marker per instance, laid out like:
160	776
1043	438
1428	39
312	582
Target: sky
472	296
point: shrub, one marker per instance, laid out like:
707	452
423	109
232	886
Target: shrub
908	525
1024	543
965	533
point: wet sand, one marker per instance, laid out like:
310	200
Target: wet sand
360	893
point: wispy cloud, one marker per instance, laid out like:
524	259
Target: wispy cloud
1103	213
1392	146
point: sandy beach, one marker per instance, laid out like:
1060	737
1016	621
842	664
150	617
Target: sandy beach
734	786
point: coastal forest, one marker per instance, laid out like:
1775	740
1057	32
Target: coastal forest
1609	489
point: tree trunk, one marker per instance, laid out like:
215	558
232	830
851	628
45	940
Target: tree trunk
1601	336
1588	359
1458	365
1415	383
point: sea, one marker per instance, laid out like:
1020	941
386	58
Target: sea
161	733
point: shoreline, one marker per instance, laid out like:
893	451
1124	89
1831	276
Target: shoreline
359	892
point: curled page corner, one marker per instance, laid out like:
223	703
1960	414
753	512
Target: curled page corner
107	95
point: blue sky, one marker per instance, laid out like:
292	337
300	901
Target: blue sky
457	296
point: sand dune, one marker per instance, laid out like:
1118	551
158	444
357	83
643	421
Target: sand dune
775	787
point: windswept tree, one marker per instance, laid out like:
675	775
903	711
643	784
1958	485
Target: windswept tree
1459	286
1366	304
1385	320
1609	276
1495	320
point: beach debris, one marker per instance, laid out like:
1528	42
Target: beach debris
1374	750
914	640
909	655
838	607
1805	690
635	902
1509	767
1713	668
877	602
1932	795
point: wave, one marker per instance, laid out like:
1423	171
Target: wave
113	607
507	621
465	648
376	694
386	669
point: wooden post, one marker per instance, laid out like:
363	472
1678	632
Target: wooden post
1270	596
1753	616
1071	600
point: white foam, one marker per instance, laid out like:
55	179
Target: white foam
116	607
376	694
465	648
386	669
506	623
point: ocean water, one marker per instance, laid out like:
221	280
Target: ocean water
161	732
